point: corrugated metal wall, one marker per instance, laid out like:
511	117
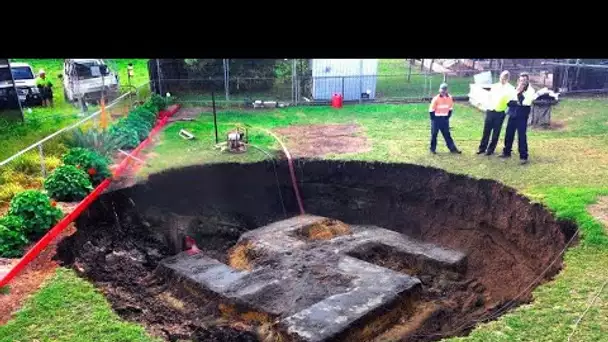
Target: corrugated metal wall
349	77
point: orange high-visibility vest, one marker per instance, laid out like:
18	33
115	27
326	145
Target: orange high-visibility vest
441	105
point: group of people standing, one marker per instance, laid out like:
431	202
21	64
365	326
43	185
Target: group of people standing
504	100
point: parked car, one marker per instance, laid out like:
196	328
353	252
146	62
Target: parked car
87	78
25	84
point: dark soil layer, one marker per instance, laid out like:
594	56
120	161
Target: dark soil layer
510	241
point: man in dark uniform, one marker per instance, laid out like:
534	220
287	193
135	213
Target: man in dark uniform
519	111
46	88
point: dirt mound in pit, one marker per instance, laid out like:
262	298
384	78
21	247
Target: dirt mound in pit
325	230
510	242
321	140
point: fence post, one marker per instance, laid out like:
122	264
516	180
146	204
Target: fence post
294	70
360	81
158	75
226	79
42	166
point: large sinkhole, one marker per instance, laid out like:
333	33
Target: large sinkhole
385	252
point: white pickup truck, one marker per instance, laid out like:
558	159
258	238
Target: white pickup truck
87	78
25	83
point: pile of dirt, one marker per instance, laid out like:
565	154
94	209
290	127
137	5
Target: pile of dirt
321	140
510	242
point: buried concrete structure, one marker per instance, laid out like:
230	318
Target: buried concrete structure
417	219
309	284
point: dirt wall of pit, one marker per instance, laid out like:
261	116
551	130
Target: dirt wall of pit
510	241
479	216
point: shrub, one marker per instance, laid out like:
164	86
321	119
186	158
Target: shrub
12	236
98	140
8	191
157	102
144	114
68	183
128	135
36	210
96	165
29	164
139	125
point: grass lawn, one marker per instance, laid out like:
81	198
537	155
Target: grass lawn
568	171
78	314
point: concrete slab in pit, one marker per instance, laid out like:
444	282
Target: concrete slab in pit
315	288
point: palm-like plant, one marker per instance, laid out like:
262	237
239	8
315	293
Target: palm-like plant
98	140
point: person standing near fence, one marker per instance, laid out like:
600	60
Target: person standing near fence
500	94
518	112
440	112
46	88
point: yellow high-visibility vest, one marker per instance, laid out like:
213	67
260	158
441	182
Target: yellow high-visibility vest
500	95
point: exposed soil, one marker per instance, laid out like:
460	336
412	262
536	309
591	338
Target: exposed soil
30	279
185	113
510	242
600	211
321	140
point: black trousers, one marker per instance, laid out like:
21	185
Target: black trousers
492	126
517	123
441	124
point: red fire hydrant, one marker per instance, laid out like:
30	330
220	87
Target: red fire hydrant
336	100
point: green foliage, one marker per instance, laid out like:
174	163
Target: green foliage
68	183
158	102
36	210
95	165
142	127
144	114
98	140
127	135
29	164
12	236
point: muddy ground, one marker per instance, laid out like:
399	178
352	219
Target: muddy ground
307	141
510	242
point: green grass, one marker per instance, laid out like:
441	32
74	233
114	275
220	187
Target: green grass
69	309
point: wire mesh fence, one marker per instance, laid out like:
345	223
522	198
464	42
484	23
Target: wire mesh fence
240	82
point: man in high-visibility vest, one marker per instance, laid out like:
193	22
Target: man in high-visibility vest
500	94
440	111
45	86
519	111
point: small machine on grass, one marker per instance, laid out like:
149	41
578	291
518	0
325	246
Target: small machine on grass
237	140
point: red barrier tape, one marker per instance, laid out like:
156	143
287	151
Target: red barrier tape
84	204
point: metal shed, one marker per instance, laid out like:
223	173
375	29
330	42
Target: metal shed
353	78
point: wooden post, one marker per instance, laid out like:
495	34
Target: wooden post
214	116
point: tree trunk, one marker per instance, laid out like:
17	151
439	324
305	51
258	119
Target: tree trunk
421	64
409	71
